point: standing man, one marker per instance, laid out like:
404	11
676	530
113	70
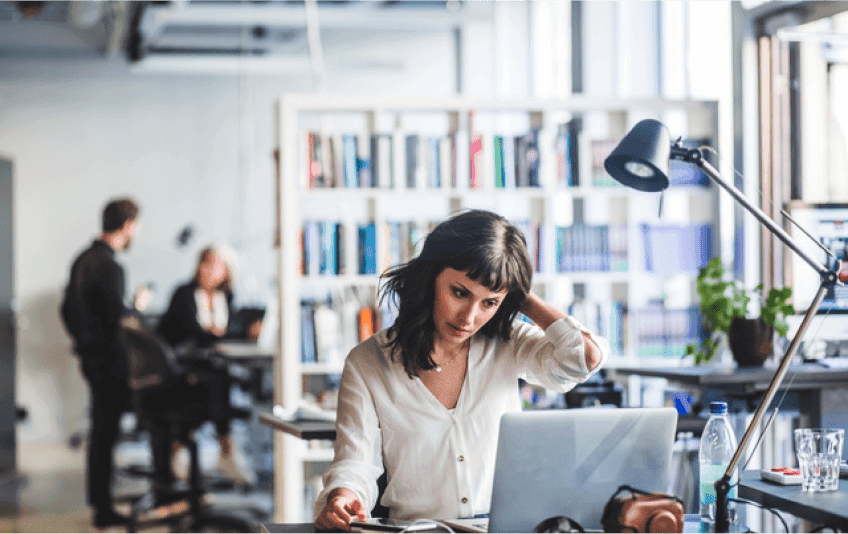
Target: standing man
92	309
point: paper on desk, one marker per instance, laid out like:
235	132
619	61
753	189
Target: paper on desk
304	411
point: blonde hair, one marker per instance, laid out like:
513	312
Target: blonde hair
228	257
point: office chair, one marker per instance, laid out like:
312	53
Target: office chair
154	375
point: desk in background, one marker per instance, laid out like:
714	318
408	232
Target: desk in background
258	361
303	429
822	392
830	508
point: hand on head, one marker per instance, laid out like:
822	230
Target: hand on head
342	507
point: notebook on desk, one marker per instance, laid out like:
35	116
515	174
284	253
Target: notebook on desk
570	462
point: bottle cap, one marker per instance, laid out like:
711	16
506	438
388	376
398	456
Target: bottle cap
719	408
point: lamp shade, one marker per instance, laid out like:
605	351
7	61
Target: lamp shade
640	160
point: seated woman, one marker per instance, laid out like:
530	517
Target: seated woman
423	399
197	316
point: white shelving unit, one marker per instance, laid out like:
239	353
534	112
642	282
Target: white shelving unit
551	204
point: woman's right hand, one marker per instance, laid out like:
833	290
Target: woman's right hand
342	507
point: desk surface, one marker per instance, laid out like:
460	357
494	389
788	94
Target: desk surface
829	508
692	523
745	379
242	350
303	429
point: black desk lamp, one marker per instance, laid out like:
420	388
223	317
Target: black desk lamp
640	161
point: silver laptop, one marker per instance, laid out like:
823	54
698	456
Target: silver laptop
570	462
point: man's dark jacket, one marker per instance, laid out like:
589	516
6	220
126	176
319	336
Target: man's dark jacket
92	308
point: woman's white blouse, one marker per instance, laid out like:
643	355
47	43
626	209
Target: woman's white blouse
215	313
442	462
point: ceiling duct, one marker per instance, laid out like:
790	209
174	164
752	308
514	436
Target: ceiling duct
273	32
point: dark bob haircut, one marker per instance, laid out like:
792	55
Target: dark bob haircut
482	244
117	213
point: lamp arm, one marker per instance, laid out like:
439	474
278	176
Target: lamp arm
828	279
695	156
723	484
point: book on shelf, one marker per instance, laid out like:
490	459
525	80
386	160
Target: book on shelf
412	160
460	163
434	163
311	251
600	149
567	150
341	249
327	327
509	180
328	231
334	162
315	170
351	166
322	248
368	249
527	159
605	317
677	248
617	240
366	323
363	160
563	156
663	332
416	160
591	248
307	334
475	150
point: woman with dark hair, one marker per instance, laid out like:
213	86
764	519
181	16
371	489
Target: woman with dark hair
423	399
198	315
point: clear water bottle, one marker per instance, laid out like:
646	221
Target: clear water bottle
718	443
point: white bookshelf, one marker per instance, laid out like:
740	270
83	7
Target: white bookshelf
550	204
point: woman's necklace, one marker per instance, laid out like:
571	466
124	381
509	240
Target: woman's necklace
464	350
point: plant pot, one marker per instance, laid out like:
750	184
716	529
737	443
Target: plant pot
751	341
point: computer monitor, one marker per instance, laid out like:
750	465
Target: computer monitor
826	223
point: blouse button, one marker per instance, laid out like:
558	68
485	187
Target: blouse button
461	458
465	500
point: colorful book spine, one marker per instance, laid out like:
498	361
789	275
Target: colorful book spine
351	172
475	150
366	323
434	163
498	154
368	249
328	236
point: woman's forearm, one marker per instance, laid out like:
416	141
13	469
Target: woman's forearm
544	315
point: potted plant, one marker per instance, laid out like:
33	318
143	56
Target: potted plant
724	305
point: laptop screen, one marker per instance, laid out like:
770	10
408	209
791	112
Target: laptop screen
570	462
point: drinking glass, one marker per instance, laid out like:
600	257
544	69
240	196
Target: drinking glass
819	453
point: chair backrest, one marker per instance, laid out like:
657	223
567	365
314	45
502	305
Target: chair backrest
151	363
